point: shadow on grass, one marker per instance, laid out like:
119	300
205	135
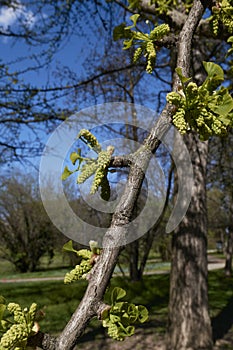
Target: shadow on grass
222	323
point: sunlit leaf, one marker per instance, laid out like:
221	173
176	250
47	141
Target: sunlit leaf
66	173
213	70
68	247
74	156
183	79
120	32
134	19
117	294
142	313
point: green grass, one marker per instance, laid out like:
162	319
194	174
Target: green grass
59	301
58	267
220	291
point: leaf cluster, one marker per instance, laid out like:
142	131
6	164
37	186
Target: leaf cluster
119	319
19	328
81	270
145	43
222	13
203	108
92	166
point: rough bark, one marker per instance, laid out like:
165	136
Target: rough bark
229	253
229	247
189	324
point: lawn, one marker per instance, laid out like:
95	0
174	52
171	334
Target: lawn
58	301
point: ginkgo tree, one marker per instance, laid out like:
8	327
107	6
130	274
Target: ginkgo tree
199	105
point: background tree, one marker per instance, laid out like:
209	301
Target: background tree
219	176
26	232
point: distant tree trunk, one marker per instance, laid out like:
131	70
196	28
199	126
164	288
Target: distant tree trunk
134	272
229	247
229	252
189	326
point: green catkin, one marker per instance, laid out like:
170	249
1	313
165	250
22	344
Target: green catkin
91	139
78	272
222	13
97	167
16	336
146	43
179	120
159	32
101	172
105	188
113	332
137	54
87	170
151	56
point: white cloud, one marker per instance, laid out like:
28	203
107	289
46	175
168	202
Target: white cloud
10	16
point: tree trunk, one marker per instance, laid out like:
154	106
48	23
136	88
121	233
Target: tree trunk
134	272
229	252
189	326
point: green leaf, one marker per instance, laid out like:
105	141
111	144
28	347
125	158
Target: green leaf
4	325
120	32
134	19
225	107
74	156
183	79
114	318
133	313
105	314
117	294
2	309
230	40
142	313
229	52
128	44
133	4
68	247
213	70
94	247
66	173
130	331
226	120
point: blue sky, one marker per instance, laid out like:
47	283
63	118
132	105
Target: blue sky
73	52
14	52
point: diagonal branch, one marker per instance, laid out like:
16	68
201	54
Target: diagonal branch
116	235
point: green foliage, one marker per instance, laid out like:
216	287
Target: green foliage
92	166
230	41
17	331
161	7
203	108
145	43
222	13
87	261
119	319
